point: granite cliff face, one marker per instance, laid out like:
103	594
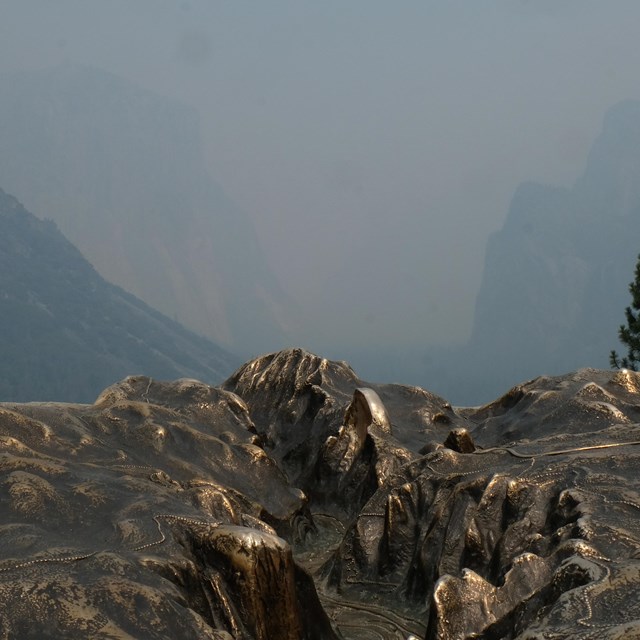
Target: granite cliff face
298	501
121	171
66	333
556	276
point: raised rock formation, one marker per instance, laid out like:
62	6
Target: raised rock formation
151	514
329	430
298	501
514	539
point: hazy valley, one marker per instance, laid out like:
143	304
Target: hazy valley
305	321
121	171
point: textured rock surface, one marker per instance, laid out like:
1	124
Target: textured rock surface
151	514
298	501
335	436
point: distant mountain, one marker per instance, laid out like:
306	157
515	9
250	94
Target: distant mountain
121	171
556	276
66	333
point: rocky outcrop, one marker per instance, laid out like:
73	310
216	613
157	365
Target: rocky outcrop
151	513
520	534
259	591
353	464
295	397
182	510
331	432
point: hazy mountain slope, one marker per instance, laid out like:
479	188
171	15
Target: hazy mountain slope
65	332
121	171
556	275
554	285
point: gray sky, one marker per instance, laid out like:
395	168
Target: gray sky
376	145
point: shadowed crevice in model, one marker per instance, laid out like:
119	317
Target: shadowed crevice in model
299	501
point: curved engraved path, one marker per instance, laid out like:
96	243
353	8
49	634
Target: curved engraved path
356	626
361	620
558	452
439	456
357	619
99	486
62	558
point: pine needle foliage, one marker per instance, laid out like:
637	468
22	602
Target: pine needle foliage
630	334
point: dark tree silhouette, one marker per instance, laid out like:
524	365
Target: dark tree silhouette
630	334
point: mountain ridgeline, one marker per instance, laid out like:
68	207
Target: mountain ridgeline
66	333
556	276
121	171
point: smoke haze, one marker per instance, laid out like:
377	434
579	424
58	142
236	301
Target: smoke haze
375	146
